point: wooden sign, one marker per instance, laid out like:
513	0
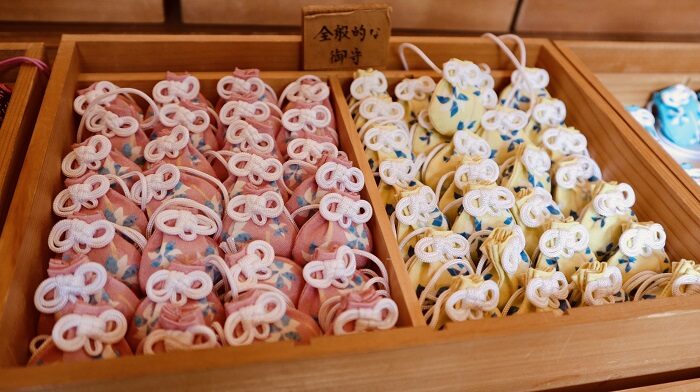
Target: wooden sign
346	36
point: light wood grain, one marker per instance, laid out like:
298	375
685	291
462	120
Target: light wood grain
626	73
604	16
605	347
16	129
104	11
442	15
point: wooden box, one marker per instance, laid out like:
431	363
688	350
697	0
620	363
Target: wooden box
27	84
94	11
626	73
608	347
641	18
433	15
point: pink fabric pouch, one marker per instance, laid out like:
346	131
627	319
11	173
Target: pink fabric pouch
256	264
330	274
92	193
311	118
183	232
308	89
204	136
165	181
341	220
77	281
179	328
173	146
244	85
243	137
358	311
116	248
89	333
250	171
333	175
305	154
266	316
175	288
265	117
259	214
95	155
86	96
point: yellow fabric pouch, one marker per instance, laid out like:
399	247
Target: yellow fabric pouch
517	94
414	95
564	141
377	109
604	217
366	83
431	252
447	158
543	291
460	97
684	279
472	170
574	178
502	128
596	284
395	176
424	138
547	113
641	248
504	251
528	168
533	209
384	142
416	210
564	246
483	207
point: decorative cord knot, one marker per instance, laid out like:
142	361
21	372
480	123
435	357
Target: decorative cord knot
310	120
185	224
383	315
86	157
466	143
392	139
418	209
375	107
86	194
564	141
172	115
102	121
578	171
336	272
536	161
441	248
373	83
419	88
170	145
493	201
344	210
155	185
549	114
245	137
538	208
642	241
255	208
254	320
229	85
309	150
470	303
177	287
547	292
617	201
482	171
255	168
608	284
168	91
69	287
82	102
564	242
91	333
332	175
174	340
400	171
80	236
241	110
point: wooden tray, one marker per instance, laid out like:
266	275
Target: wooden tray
99	11
611	346
626	73
434	15
641	18
27	84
